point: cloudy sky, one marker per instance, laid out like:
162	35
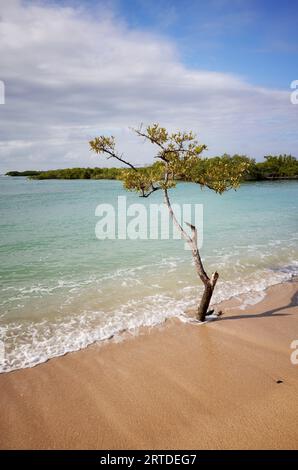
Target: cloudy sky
75	69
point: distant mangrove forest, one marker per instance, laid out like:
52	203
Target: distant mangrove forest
273	167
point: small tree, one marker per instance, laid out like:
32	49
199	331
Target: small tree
178	158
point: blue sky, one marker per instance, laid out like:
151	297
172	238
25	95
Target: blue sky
75	69
257	39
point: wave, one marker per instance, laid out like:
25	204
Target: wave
28	343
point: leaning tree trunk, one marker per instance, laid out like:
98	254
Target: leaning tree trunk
206	298
209	283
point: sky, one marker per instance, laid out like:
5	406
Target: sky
76	69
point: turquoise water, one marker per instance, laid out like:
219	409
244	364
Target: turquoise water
62	288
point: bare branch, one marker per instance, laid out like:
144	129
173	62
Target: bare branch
196	254
120	159
146	136
144	194
214	278
194	233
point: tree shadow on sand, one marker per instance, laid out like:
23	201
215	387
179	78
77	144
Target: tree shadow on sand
293	303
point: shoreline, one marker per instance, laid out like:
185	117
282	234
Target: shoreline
233	301
172	386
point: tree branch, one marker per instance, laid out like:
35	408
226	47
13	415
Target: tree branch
168	204
196	254
144	194
146	136
120	159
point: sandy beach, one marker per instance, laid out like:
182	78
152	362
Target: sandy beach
227	384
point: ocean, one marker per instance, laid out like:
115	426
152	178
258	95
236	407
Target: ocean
62	288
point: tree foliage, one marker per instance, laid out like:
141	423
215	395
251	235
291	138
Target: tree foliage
23	173
279	166
178	157
77	173
202	171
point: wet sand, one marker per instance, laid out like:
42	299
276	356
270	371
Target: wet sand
227	384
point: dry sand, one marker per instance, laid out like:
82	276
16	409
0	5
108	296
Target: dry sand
178	386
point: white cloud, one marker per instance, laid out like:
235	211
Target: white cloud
70	76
